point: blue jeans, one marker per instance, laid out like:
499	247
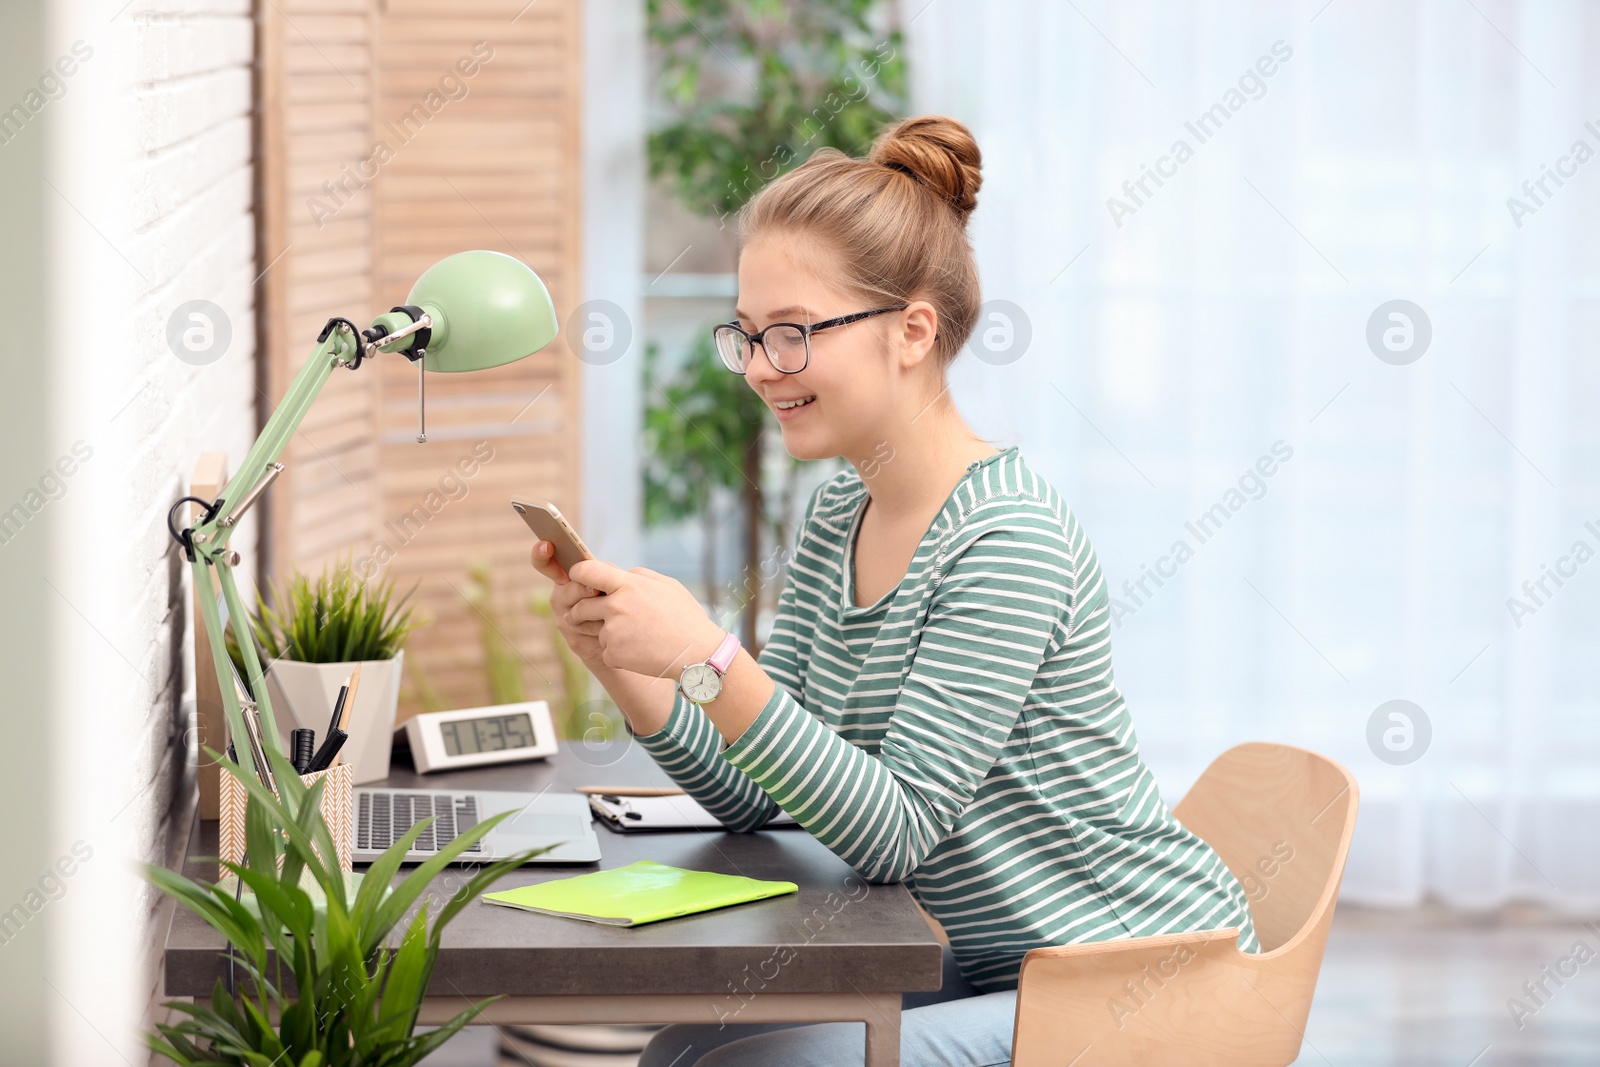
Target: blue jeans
970	1029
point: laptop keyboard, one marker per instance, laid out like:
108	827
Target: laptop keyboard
384	816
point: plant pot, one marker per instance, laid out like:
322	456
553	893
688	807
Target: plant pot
303	695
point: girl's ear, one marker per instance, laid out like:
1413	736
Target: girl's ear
918	328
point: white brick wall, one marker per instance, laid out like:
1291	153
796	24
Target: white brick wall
140	173
151	160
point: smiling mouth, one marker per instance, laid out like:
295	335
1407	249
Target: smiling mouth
788	405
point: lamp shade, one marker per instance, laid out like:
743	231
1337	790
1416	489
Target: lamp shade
488	308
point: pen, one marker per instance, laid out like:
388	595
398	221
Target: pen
341	733
631	790
328	752
350	700
302	742
338	704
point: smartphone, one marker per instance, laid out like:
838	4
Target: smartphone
548	524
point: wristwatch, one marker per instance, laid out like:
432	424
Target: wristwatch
700	683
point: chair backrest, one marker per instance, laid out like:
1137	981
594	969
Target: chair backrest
1281	819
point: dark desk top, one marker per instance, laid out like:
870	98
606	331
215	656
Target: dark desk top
837	934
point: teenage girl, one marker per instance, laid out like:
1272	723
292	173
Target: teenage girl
935	702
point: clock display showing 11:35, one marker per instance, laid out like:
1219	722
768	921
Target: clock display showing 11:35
494	733
481	737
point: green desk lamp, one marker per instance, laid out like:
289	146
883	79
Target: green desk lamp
470	311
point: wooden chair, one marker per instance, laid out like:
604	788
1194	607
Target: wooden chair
1281	818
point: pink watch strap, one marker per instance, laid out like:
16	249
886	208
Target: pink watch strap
722	658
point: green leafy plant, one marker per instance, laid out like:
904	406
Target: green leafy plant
334	618
779	81
355	996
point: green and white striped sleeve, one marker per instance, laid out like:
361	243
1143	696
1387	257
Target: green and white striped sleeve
686	747
1002	606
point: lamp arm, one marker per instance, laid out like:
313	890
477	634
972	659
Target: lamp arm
201	574
210	538
470	311
336	350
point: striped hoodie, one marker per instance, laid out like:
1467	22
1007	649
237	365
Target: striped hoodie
963	735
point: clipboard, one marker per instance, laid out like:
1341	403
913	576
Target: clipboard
677	811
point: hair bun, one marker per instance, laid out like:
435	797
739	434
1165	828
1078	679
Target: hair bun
940	153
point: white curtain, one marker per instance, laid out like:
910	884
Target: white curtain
1340	156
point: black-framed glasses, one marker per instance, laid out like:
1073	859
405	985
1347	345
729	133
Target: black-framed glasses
787	344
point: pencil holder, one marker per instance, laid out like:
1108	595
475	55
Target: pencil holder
338	808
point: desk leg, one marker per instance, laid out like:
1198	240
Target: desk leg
883	1032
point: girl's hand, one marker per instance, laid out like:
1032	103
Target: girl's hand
582	638
648	623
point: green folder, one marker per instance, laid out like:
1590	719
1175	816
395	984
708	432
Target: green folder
642	892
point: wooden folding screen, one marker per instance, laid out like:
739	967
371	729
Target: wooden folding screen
393	134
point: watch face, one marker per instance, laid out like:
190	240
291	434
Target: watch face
700	682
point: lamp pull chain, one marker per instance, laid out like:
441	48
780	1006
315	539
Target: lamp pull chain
422	400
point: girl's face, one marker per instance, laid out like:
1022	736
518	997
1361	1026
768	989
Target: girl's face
858	374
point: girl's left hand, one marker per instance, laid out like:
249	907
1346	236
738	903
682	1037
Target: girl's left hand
649	623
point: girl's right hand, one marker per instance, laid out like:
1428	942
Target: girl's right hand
582	638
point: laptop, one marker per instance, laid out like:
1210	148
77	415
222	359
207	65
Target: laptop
560	819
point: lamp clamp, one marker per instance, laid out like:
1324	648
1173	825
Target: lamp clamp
421	333
185	537
383	332
344	326
424	333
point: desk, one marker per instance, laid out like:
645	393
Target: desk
839	949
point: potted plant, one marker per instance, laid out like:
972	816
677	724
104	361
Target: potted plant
309	927
310	640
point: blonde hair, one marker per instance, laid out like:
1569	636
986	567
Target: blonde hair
897	220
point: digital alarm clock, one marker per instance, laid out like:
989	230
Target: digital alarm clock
475	737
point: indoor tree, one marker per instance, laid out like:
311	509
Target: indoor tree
749	90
